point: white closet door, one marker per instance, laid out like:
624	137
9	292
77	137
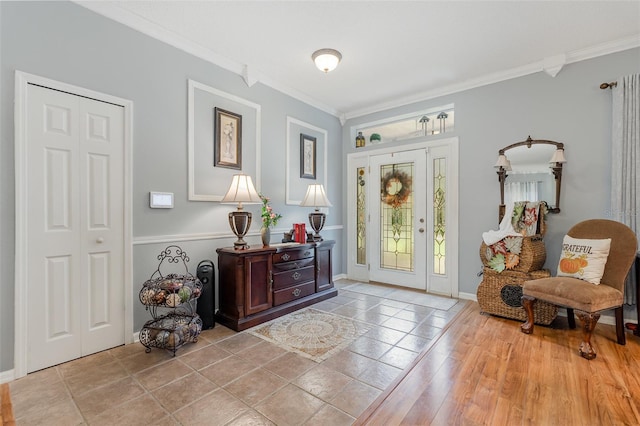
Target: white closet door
75	226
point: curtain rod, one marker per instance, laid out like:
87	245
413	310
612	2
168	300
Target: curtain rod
609	85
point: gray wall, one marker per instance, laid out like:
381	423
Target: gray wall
67	43
569	108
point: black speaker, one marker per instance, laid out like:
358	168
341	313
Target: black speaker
206	273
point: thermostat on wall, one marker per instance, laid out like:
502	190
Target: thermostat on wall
161	200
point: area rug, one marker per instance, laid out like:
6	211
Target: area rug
311	333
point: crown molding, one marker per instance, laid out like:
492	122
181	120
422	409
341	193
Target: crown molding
551	66
250	75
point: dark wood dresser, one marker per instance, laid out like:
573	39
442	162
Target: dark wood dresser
260	284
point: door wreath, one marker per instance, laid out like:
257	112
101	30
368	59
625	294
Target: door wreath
395	188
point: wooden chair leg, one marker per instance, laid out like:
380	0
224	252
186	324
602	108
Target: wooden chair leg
622	339
527	303
589	321
571	318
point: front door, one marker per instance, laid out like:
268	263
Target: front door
398	207
75	226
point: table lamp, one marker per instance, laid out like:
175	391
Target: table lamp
241	191
316	197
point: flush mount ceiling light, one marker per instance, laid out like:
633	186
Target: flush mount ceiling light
326	59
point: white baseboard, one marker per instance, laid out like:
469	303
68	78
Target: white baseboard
468	296
7	376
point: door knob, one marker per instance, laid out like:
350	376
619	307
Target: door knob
421	230
100	240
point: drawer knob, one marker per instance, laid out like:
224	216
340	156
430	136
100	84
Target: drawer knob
306	253
296	292
285	257
296	275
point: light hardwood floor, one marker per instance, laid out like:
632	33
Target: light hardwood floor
460	367
483	371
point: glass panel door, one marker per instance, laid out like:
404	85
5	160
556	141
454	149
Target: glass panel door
397	197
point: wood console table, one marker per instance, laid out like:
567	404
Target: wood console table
259	284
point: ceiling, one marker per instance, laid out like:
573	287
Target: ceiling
394	52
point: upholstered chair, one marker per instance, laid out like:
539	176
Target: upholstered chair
586	298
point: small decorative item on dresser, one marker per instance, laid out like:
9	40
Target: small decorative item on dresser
375	138
269	219
360	140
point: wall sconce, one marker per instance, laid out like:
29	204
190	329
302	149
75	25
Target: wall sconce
557	159
326	59
503	165
316	197
241	191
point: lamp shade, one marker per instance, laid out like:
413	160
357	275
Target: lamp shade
508	166
502	161
326	59
558	157
315	197
241	191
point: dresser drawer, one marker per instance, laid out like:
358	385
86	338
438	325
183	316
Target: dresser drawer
296	264
292	293
293	277
290	255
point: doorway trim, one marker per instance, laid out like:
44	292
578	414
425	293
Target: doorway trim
22	80
358	159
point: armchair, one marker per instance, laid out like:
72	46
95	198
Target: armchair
586	298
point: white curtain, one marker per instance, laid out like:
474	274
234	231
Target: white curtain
520	191
625	161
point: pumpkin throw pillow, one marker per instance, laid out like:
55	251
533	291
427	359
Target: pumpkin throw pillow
584	259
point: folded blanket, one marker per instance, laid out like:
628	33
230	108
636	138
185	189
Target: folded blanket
505	230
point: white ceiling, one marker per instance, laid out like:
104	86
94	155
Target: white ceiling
394	52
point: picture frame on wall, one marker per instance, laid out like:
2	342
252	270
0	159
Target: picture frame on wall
227	145
307	156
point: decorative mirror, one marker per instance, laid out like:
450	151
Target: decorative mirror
534	168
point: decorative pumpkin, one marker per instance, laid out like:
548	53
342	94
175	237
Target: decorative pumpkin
184	293
570	265
173	300
147	296
160	297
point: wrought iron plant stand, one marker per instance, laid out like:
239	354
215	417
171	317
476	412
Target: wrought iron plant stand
171	299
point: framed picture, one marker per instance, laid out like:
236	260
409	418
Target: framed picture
307	156
227	145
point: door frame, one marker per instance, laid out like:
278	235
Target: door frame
357	159
22	80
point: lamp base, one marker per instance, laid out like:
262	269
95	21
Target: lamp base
240	222
316	220
313	238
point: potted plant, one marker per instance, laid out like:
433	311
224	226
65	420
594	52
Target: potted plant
375	138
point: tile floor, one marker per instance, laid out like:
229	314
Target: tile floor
230	378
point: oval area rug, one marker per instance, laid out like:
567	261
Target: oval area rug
311	333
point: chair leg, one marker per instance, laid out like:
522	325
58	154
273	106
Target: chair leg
571	318
527	303
622	338
589	321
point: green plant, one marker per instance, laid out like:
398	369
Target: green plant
269	217
375	137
